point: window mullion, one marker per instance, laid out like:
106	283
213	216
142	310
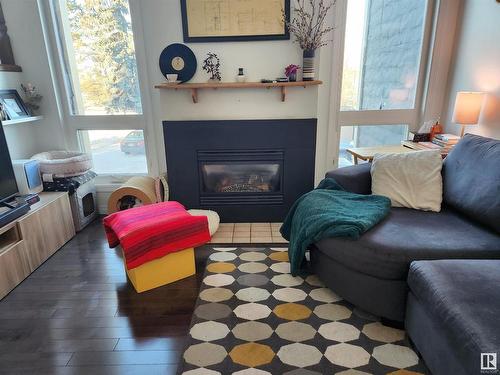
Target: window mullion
378	117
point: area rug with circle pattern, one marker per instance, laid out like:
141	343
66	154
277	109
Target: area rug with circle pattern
254	318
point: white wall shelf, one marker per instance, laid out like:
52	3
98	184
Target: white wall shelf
21	120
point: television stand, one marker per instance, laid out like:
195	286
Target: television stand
10	211
29	240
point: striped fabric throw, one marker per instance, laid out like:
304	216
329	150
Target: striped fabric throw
153	231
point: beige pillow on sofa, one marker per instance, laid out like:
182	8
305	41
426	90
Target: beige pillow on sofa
410	180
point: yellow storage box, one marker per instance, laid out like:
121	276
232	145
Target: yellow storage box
162	271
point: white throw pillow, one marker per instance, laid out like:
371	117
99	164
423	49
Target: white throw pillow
410	180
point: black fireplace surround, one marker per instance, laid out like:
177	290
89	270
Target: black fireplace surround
246	170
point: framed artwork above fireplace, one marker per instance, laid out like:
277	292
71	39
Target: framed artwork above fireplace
206	21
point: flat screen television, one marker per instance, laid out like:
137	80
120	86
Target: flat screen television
8	185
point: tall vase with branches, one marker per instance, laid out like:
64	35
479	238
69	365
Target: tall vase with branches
310	28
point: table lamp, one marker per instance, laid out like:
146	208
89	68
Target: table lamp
467	108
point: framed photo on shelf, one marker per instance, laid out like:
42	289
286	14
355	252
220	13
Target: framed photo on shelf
234	20
13	105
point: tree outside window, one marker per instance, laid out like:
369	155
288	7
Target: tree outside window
101	57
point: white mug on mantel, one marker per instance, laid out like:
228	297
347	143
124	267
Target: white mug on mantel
172	78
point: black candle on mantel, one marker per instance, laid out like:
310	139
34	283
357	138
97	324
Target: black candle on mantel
241	75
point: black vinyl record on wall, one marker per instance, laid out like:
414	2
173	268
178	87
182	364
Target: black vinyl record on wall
178	59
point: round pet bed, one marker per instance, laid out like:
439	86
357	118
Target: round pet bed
212	216
62	164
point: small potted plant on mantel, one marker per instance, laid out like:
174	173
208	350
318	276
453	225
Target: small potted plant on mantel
310	30
291	72
211	65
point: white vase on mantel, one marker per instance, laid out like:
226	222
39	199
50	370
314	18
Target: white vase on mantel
241	77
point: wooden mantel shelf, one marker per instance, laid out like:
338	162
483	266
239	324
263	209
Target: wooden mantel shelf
194	87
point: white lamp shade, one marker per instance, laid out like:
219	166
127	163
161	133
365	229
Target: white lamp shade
467	107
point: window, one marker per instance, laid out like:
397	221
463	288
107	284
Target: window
366	136
382	54
383	71
103	111
115	151
99	57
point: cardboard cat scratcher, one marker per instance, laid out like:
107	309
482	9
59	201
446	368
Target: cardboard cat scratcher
136	191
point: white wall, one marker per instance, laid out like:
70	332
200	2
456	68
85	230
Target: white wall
28	45
18	136
162	26
477	65
160	23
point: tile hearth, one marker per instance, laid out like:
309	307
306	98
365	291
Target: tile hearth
248	233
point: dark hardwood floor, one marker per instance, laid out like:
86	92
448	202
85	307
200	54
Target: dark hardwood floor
77	314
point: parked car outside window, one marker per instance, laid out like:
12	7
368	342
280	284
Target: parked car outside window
133	143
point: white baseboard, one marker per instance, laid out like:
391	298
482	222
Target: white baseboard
103	193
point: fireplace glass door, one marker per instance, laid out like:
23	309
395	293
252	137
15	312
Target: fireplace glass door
241	177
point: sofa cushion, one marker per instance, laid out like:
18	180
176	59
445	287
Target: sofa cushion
411	180
462	297
387	250
472	179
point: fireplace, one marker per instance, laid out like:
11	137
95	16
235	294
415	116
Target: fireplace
241	177
247	171
244	178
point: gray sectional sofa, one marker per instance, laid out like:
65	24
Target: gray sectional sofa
372	272
453	314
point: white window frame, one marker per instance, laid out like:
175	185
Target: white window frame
393	116
75	122
412	117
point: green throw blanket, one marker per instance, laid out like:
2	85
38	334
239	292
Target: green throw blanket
329	211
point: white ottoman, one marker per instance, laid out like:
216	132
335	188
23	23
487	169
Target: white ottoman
213	219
